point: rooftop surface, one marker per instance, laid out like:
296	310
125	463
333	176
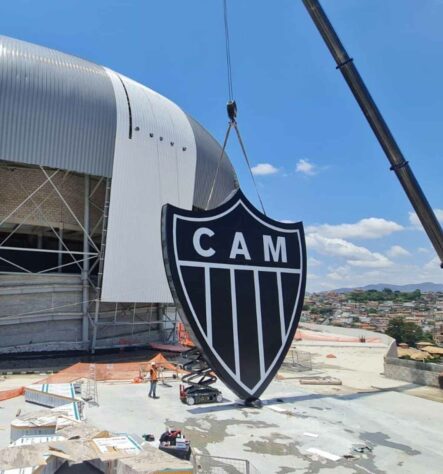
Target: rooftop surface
373	424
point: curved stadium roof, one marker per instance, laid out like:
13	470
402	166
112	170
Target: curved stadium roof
61	111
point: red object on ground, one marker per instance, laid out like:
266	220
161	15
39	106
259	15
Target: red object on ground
331	356
15	392
116	371
301	335
168	347
183	336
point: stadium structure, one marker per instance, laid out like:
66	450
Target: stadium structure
87	159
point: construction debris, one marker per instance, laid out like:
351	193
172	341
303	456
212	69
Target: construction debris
320	381
45	422
51	395
361	449
324	454
83	431
82	443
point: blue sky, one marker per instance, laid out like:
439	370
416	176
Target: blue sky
320	162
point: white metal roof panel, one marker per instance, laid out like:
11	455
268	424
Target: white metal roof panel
154	167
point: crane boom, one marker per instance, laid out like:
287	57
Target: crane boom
381	130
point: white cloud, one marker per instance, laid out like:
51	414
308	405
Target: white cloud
312	276
397	251
376	260
369	228
263	169
433	264
313	262
355	255
340	276
306	167
414	220
347	263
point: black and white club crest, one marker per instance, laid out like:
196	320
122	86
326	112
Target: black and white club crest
238	279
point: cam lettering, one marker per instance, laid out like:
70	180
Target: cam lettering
239	247
196	240
274	249
277	251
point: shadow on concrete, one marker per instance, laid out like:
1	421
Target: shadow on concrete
298	398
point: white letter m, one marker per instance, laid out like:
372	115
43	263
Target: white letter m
278	251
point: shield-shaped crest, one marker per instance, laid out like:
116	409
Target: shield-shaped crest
238	279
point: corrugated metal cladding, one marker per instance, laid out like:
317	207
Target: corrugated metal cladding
155	167
60	111
56	110
208	156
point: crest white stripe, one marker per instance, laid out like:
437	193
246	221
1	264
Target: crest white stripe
261	354
234	324
280	307
208	305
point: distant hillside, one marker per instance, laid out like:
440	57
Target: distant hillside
427	286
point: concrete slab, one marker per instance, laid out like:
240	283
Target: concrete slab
373	424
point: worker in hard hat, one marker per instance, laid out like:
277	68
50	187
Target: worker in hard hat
153	377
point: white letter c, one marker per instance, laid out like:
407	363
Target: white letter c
197	245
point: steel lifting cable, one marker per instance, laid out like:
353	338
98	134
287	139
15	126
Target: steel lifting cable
228	51
232	114
228	131
249	166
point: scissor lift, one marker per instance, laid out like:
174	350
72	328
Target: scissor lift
196	388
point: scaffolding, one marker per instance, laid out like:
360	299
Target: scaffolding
76	248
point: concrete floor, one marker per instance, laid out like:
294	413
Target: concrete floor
403	429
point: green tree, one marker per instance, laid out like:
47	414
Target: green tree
404	331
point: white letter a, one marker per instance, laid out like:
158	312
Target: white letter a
239	247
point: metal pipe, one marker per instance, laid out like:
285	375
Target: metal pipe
85	271
381	130
101	264
60	249
62	252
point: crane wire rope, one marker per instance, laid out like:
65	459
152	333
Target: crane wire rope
232	114
228	51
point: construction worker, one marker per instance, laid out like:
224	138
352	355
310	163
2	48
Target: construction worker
153	377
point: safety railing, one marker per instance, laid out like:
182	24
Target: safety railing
205	464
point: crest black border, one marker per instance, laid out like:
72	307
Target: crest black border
167	217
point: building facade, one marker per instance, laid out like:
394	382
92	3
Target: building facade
88	157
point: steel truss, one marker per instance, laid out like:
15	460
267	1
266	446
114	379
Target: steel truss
96	315
85	260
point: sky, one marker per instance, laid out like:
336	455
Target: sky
314	156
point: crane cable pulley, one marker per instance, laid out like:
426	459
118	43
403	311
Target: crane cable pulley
231	108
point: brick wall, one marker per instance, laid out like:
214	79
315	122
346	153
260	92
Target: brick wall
16	184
